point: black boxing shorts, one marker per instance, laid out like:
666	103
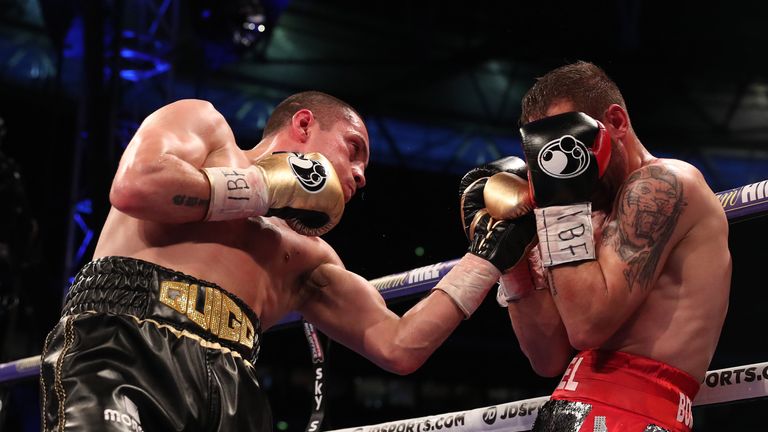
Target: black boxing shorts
140	347
615	391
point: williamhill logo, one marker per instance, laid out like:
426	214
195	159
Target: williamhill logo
745	200
420	275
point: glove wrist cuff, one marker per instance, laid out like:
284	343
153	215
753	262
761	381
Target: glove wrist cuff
236	193
565	233
468	282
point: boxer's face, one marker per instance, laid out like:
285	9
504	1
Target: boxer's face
346	145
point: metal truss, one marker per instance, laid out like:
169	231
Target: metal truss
129	67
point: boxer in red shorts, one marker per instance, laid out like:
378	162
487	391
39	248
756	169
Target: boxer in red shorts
627	291
641	395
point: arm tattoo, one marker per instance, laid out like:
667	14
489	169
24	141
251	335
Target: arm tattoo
189	201
645	215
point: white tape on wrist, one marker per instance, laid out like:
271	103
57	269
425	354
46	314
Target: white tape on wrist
468	282
565	233
236	193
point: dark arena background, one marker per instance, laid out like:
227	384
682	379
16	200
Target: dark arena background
439	85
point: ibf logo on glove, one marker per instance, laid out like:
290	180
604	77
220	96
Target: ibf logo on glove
311	174
565	157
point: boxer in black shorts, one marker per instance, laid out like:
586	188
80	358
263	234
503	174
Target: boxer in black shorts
143	346
135	334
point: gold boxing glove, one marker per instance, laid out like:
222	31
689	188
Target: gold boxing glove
507	196
508	232
301	188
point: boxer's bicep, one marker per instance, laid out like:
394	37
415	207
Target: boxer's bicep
188	129
647	222
596	297
159	176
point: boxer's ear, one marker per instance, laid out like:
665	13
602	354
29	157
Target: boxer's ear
616	121
301	124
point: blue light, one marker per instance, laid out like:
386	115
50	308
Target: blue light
129	75
129	53
84	206
145	65
88	235
73	41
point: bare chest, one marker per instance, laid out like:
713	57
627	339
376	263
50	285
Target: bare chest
263	261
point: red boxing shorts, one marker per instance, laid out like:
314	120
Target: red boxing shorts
603	391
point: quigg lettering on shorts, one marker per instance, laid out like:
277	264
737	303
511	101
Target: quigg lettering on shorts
220	315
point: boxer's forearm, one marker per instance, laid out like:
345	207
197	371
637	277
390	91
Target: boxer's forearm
541	333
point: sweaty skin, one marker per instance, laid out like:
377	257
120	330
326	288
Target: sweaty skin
660	285
160	197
